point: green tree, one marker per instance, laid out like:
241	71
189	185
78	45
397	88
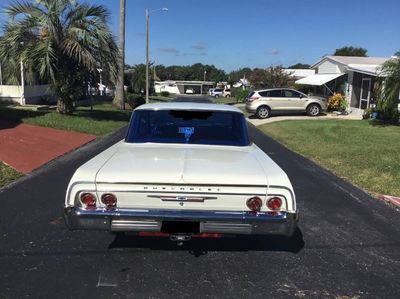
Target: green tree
350	51
389	92
191	72
137	79
235	76
64	42
271	77
299	66
239	93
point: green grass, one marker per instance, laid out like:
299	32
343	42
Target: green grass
7	174
223	100
365	153
103	119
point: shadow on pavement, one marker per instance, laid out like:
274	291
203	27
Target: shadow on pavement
201	246
5	124
288	114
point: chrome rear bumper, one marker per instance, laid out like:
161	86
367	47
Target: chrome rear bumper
139	220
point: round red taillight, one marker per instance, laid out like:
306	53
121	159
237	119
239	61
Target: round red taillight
274	203
88	199
254	203
109	200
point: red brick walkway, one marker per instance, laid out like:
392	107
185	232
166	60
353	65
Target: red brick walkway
26	147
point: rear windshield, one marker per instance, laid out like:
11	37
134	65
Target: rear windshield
192	127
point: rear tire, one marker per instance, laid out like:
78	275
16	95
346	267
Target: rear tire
216	96
313	110
263	112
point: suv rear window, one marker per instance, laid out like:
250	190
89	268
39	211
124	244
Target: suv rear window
264	93
250	94
188	126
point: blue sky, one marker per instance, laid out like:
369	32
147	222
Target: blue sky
256	33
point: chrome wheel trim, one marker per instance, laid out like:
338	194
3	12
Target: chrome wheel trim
314	110
263	112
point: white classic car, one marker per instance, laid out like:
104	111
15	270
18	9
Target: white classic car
183	169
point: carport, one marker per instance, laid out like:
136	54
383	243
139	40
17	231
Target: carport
198	87
319	80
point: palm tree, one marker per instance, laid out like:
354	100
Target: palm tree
138	78
119	96
63	42
390	89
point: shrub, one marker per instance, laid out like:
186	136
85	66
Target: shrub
388	92
165	93
239	93
337	102
135	100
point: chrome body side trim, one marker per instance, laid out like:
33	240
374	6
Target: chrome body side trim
135	225
238	222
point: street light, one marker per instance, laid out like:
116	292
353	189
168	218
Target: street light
147	47
1	75
101	83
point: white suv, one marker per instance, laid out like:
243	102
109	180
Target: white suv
217	92
263	102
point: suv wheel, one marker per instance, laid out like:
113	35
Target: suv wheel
313	110
263	112
216	96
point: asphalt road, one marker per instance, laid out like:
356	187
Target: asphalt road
347	245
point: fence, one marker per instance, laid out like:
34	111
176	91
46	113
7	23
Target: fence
32	93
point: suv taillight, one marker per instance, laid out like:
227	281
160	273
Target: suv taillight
253	98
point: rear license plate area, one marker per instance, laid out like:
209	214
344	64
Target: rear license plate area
183	227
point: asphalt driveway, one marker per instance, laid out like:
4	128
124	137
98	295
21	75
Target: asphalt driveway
347	245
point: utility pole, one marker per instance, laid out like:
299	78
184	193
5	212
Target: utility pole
147	55
147	13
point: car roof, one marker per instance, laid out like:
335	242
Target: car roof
277	88
189	106
280	88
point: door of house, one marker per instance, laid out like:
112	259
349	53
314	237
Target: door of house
365	94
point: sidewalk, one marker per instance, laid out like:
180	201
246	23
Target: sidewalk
27	147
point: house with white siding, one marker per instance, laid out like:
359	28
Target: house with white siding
182	87
352	76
